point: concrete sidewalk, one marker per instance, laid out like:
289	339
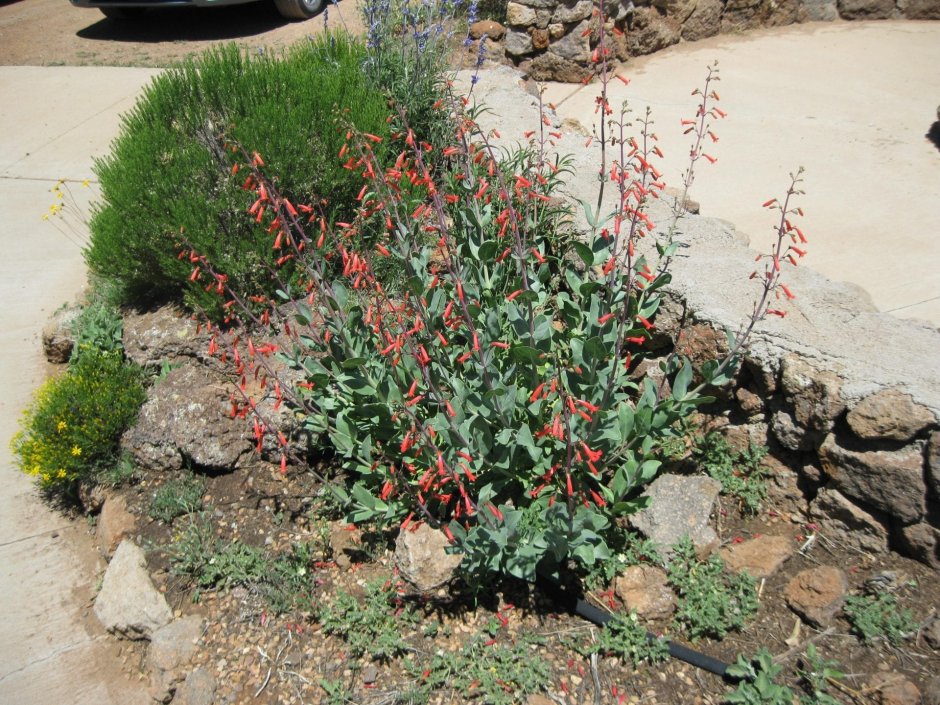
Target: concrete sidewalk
851	102
52	122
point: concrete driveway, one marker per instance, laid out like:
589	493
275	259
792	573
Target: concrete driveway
52	120
851	102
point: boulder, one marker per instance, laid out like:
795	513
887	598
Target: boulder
164	335
814	395
845	522
894	689
645	590
920	9
128	603
866	9
890	481
114	524
171	648
422	558
889	415
519	15
705	21
821	10
921	541
517	43
651	32
570	11
187	420
551	67
817	594
759	557
680	505
575	45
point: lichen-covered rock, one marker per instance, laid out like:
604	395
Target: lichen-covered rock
889	481
128	603
889	415
574	46
570	11
518	15
517	43
680	505
422	558
187	419
164	335
821	10
847	523
817	594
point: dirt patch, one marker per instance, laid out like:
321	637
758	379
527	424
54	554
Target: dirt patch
257	654
53	33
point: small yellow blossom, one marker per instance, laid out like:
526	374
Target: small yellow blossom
60	474
76	451
61	426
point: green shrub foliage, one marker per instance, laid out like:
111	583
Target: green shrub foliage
168	183
71	431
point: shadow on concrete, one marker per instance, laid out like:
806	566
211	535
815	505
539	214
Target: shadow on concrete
186	24
933	134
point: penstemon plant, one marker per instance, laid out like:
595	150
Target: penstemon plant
486	387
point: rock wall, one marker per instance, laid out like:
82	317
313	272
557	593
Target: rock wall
555	40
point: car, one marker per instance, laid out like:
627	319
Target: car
134	9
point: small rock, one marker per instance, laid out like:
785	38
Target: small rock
171	648
370	674
422	558
750	403
645	590
114	524
198	689
817	594
345	543
889	414
493	30
128	603
760	557
931	632
57	337
931	692
680	505
895	689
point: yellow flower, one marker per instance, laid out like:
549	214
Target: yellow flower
85	183
61	426
76	451
60	474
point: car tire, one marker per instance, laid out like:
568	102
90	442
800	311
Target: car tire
298	9
123	13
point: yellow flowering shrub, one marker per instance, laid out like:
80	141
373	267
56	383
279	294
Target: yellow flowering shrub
72	428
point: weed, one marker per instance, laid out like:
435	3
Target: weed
99	327
337	693
373	626
628	548
879	616
494	673
712	600
121	472
287	581
623	636
740	472
206	561
816	677
176	497
757	686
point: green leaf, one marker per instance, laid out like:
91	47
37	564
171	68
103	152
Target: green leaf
584	252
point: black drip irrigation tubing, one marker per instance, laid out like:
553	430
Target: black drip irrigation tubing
576	604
